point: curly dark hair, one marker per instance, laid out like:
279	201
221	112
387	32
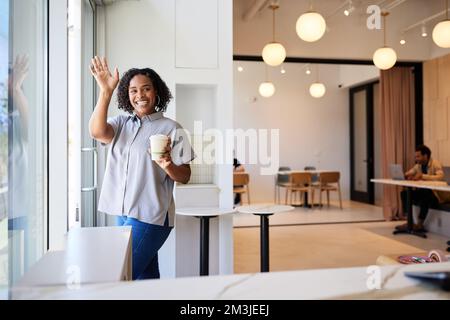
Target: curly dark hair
424	150
160	87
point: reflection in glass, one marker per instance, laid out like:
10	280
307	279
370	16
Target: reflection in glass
26	135
4	49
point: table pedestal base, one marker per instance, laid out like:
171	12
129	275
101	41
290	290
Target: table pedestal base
204	244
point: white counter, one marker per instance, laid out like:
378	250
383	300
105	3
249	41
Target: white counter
345	283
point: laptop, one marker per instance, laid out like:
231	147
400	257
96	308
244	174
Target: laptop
396	171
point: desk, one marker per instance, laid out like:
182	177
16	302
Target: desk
338	283
204	214
288	173
264	211
409	185
92	255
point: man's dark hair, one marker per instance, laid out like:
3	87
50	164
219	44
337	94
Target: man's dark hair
158	84
424	150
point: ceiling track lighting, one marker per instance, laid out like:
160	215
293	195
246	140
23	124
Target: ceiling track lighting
423	31
350	8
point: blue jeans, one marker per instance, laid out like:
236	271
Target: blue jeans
147	240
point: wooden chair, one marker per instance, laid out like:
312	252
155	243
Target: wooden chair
241	182
329	181
299	182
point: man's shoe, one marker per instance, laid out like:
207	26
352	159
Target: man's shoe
402	227
419	228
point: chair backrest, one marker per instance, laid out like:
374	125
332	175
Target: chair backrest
300	178
282	178
240	179
329	177
315	177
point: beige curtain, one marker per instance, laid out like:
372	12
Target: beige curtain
397	130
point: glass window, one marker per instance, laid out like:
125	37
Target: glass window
4	35
23	137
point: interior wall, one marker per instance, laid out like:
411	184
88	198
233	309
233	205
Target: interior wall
436	113
351	75
313	132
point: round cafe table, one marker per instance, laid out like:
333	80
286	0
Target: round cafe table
264	211
204	214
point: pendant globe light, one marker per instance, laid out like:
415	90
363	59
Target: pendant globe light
441	32
274	53
311	26
384	58
317	89
266	89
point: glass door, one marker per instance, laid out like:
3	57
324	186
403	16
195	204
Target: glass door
361	144
82	149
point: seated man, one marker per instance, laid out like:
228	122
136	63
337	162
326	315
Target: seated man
427	169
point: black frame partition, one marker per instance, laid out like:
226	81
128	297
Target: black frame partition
369	196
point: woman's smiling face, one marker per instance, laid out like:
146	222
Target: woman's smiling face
142	95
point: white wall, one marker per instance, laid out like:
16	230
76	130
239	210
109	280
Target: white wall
351	75
312	131
164	35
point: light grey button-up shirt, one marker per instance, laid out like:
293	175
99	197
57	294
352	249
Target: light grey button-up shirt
134	185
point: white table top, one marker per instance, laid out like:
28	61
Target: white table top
203	211
92	254
339	283
433	185
264	208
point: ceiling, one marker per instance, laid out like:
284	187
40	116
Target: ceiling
346	37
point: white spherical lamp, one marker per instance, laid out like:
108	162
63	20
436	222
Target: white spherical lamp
441	34
311	26
384	58
317	90
266	89
274	54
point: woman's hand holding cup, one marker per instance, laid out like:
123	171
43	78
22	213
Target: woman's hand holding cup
160	148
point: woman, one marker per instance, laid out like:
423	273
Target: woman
135	188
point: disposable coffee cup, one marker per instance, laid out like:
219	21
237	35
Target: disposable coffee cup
158	143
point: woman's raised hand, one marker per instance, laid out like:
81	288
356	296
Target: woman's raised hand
105	80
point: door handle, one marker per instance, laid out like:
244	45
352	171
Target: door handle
94	151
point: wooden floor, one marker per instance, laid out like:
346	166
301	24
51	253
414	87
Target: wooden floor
326	246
